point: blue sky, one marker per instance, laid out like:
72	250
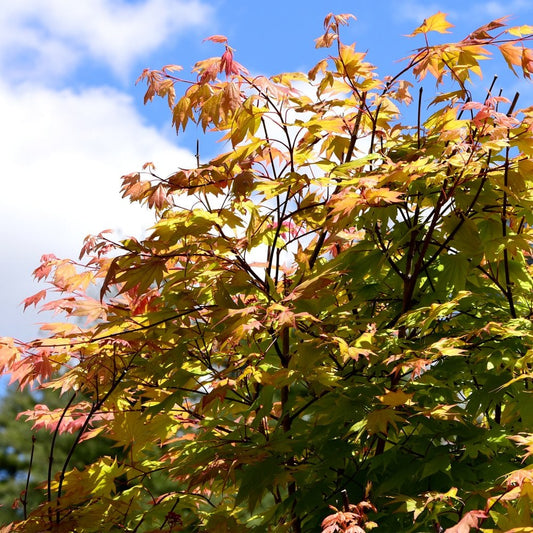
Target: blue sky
74	122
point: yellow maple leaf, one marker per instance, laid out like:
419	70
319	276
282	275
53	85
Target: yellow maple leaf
436	22
379	420
102	475
395	398
521	31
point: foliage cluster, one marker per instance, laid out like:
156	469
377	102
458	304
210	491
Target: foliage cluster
340	302
25	455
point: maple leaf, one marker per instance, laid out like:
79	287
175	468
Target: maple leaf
217	39
69	422
512	54
520	31
436	22
527	62
102	475
332	20
227	64
402	94
171	68
518	478
525	440
483	32
321	66
379	420
326	40
231	98
35	299
395	398
47	263
208	70
159	197
471	519
9	353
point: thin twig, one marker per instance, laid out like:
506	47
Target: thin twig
508	284
25	498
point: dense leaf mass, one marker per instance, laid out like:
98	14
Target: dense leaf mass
339	305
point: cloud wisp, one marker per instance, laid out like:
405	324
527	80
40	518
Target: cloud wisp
48	40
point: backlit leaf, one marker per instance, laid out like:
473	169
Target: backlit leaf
436	23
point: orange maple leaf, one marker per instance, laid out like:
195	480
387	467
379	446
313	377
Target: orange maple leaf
217	39
35	299
469	520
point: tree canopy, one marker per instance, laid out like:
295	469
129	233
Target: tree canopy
329	324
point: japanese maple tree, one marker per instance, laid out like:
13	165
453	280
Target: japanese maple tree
336	309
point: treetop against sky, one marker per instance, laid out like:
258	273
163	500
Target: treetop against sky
68	97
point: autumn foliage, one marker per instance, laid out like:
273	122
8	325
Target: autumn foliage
339	304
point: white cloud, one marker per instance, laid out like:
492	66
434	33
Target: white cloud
63	155
51	38
63	151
